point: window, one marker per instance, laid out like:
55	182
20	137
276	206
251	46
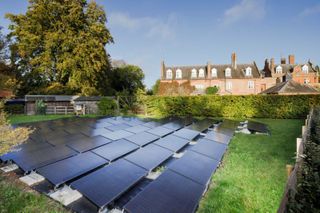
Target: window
248	71
201	73
169	74
193	73
214	73
279	69
178	74
251	84
306	81
199	87
305	69
229	86
228	72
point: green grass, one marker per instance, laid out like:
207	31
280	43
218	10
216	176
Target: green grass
14	197
17	119
252	176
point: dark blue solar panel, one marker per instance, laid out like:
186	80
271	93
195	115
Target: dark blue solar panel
187	134
170	192
229	124
98	125
116	149
153	124
202	125
85	144
197	167
257	127
137	129
219	137
142	138
172	142
62	140
149	157
106	184
160	131
211	149
118	127
70	168
32	160
174	125
96	132
117	134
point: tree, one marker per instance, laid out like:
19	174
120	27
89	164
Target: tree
174	88
212	90
127	79
61	42
155	87
9	137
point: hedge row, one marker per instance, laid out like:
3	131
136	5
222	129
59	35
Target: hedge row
252	106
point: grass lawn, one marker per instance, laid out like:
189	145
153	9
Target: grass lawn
16	119
252	176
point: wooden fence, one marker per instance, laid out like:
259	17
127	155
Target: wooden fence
292	179
60	110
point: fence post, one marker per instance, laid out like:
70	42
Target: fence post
298	151
66	110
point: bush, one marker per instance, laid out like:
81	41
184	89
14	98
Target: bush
107	106
14	108
212	90
40	107
251	106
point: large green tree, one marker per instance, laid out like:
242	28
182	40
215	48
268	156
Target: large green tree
61	42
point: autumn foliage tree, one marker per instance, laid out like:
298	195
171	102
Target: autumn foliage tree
62	42
174	88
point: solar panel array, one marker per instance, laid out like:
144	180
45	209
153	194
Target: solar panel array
104	158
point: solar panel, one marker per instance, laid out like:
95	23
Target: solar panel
172	142
86	144
202	125
116	149
114	120
210	149
187	134
160	131
118	127
197	167
174	125
137	129
153	124
219	137
62	140
55	134
225	131
29	161
28	146
229	124
170	192
100	125
96	132
117	134
70	168
133	121
257	127
142	138
77	129
149	157
108	183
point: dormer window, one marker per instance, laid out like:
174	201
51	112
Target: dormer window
248	71
193	73
214	73
228	72
201	73
178	74
169	74
279	69
305	69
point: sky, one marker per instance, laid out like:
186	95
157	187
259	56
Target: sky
189	32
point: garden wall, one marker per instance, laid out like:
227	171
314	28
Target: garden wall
251	106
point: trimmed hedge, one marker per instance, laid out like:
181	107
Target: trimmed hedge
250	106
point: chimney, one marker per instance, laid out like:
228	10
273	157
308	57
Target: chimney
291	59
272	64
209	68
283	61
234	61
162	69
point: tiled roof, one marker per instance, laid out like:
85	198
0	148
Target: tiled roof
291	87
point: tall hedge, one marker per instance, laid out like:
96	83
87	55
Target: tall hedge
251	106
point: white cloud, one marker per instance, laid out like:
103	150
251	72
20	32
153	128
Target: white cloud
245	10
152	27
310	11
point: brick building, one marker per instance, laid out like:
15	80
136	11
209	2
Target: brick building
239	79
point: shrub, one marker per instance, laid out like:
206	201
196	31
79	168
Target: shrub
40	107
251	106
212	90
107	106
14	108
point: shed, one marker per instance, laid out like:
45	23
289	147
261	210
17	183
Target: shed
291	88
87	103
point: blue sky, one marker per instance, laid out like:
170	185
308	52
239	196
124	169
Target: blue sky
194	32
